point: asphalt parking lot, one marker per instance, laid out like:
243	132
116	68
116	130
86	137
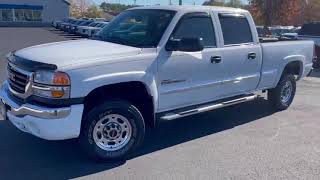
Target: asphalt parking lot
246	141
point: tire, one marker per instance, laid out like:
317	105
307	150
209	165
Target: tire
283	94
112	115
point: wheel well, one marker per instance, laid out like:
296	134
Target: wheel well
293	68
134	92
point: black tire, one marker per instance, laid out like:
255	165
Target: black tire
120	107
274	95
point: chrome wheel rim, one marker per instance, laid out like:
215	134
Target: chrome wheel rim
286	92
112	132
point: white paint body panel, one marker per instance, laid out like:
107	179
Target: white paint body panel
92	64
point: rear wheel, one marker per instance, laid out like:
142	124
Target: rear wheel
112	130
283	94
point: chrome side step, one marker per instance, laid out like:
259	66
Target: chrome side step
208	107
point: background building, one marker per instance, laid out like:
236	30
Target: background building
32	12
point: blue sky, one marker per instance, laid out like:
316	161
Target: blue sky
153	2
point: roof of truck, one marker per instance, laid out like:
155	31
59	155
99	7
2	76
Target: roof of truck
188	8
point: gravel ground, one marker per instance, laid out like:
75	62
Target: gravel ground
247	141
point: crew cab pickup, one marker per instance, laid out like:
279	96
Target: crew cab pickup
150	64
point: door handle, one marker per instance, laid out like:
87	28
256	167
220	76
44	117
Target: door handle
252	56
215	59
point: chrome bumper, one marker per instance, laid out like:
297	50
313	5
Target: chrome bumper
31	110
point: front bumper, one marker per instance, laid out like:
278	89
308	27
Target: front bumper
46	123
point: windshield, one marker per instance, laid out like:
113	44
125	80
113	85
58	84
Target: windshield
84	23
138	28
93	24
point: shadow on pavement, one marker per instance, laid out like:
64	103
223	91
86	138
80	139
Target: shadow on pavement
315	73
23	156
64	34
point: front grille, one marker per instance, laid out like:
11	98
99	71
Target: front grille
17	80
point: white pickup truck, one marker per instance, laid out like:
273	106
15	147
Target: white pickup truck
149	64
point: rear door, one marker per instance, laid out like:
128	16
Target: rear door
189	78
241	55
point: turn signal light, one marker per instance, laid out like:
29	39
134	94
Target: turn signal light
61	79
57	94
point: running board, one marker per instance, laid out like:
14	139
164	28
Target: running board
208	107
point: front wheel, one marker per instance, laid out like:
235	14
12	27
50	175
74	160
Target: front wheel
112	130
283	94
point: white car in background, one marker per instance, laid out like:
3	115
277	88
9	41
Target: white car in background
89	31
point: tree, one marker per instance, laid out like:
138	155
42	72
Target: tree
234	3
229	3
285	12
79	8
214	3
290	13
311	11
94	12
114	8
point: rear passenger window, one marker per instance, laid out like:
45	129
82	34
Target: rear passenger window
235	29
196	26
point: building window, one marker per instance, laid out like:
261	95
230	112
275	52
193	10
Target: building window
37	15
19	14
28	15
7	14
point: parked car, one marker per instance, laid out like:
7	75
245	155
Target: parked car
64	25
89	31
107	91
289	36
278	31
57	23
68	27
60	24
311	31
74	28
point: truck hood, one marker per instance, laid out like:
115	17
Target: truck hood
67	53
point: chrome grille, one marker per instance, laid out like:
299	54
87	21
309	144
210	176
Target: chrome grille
17	80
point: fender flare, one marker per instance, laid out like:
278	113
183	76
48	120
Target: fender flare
287	60
146	79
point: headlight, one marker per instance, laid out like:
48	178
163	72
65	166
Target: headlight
52	78
10	56
51	84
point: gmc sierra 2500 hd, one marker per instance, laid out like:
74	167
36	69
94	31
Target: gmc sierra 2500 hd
148	64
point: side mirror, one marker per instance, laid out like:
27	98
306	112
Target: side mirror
185	44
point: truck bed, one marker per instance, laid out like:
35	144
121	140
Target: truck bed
283	51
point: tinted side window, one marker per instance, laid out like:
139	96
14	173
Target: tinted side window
236	30
196	27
